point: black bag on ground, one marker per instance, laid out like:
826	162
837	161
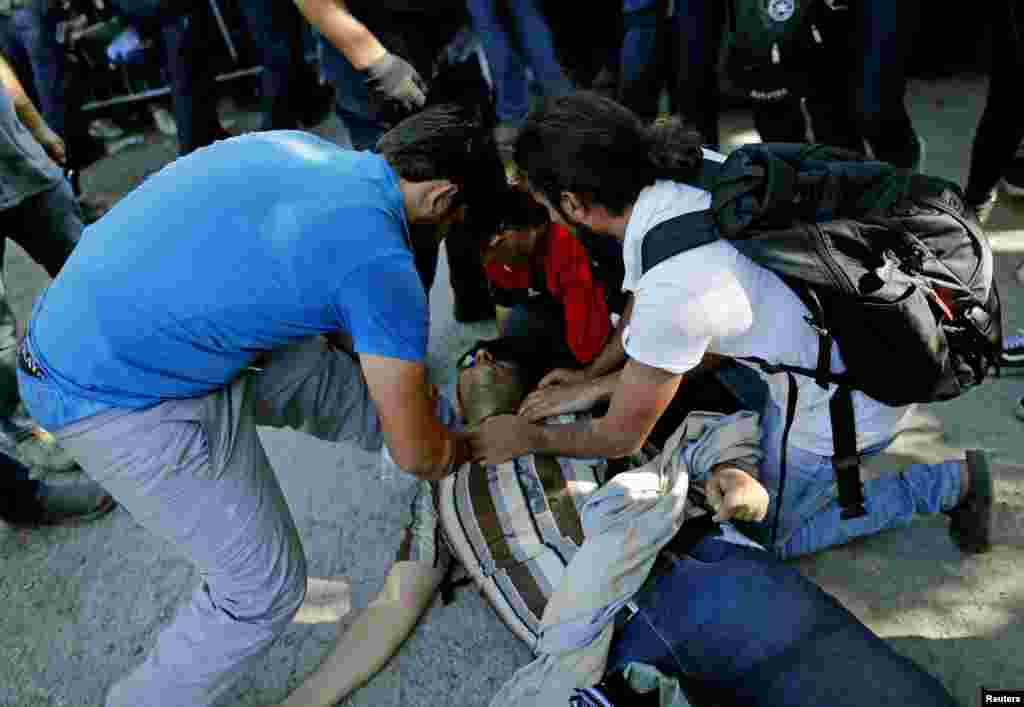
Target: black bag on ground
894	269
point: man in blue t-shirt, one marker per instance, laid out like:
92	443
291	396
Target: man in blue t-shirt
193	311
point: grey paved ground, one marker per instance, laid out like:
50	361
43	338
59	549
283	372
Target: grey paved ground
80	606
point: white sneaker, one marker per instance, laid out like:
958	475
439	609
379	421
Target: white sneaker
105	129
164	120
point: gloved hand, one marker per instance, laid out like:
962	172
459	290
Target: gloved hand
395	80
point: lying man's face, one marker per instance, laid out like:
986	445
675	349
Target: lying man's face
487	387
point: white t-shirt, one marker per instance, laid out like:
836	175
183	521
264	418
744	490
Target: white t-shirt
713	298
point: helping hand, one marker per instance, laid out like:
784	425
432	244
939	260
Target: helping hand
396	80
500	438
735	494
562	376
558	400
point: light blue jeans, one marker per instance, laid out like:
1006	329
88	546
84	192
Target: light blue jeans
508	66
810	517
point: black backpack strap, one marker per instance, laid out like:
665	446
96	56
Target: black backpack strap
686	231
845	459
791	395
677	235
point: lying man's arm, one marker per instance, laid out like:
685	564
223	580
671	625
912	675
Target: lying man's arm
418	442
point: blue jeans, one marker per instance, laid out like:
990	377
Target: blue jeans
512	43
860	90
40	62
276	30
688	44
351	100
754	631
1000	130
810	517
187	38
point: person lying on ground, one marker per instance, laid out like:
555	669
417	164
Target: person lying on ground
662	592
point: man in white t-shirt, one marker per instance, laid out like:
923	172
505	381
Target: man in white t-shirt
592	163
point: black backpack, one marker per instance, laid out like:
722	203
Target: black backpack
771	49
894	269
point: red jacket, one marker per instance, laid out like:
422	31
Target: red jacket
566	277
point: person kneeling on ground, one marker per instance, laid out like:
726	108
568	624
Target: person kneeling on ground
203	298
556	296
591	162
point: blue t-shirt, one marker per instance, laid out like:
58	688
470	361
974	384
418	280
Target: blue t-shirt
237	249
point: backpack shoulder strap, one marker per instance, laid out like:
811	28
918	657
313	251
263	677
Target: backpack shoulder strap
677	235
686	231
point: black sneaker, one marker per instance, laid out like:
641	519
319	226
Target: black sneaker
971	521
1013	351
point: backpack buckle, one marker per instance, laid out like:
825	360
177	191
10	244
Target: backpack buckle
849	461
813	324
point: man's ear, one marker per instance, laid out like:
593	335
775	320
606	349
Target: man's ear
574	206
441	198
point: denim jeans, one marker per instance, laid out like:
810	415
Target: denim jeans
187	37
861	87
47	226
40	61
810	516
751	630
1001	129
688	45
513	40
276	29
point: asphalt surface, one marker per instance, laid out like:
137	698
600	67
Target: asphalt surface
81	606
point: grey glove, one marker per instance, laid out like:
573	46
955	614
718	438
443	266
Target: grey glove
394	79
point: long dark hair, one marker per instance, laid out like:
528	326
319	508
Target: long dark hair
592	146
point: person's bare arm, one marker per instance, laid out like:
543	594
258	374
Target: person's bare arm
641	394
387	74
341	28
418	442
29	115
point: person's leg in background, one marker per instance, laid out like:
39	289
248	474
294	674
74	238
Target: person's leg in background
641	59
508	71
696	35
884	32
537	46
780	121
1000	130
188	41
36	27
47	225
276	31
